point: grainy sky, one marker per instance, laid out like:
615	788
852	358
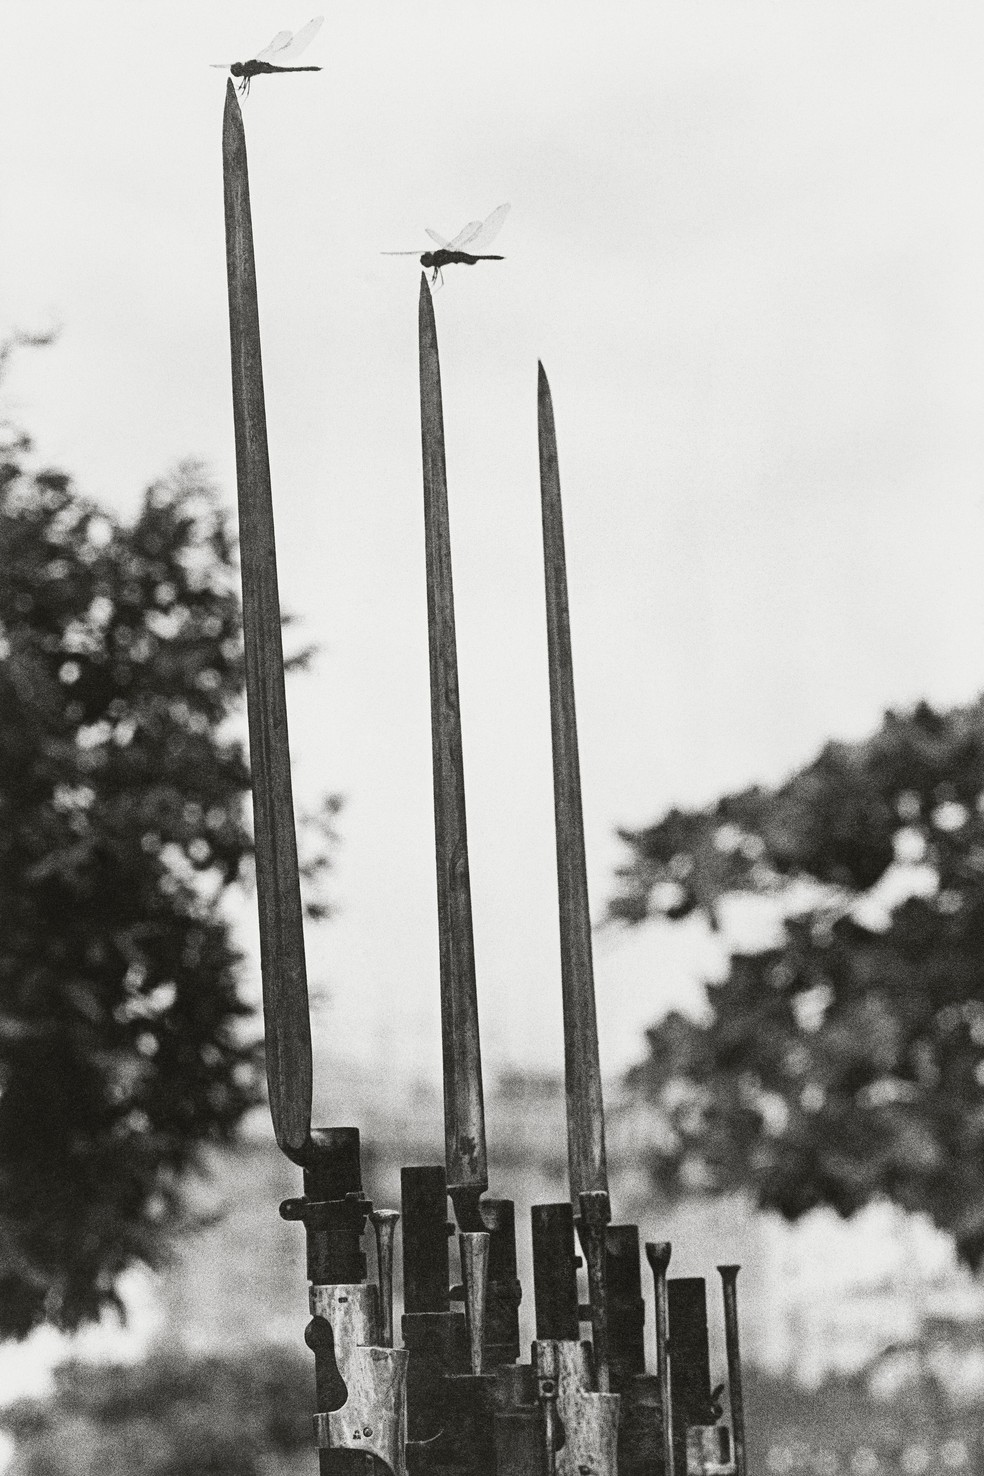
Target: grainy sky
746	239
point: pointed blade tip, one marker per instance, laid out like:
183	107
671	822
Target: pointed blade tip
425	307
232	116
544	402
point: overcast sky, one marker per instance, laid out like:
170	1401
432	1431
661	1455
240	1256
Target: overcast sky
746	240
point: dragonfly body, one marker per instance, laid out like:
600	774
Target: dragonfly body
250	69
436	260
476	234
283	48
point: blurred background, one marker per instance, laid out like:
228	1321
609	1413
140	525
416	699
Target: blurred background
745	242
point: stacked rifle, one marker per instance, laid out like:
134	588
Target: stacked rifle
456	1399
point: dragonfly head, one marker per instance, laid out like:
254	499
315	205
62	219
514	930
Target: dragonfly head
238	69
427	260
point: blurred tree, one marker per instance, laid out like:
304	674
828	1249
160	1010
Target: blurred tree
846	1061
125	1048
248	1415
174	1415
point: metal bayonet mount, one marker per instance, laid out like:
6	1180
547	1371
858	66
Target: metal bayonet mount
360	1378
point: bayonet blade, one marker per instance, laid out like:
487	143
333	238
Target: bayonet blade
585	1107
464	1110
285	998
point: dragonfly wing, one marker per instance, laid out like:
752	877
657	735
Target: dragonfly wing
444	245
285	47
464	235
278	43
488	230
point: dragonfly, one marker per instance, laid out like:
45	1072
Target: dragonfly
284	47
476	235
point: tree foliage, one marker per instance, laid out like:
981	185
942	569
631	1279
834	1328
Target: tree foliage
174	1415
123	1047
846	1061
247	1414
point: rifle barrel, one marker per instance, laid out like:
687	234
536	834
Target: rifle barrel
464	1110
285	997
582	1072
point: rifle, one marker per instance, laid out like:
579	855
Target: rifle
455	1400
615	1304
360	1382
488	1401
668	1424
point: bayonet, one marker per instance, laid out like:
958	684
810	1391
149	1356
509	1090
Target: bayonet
359	1381
615	1302
285	998
660	1418
464	1110
587	1167
582	1072
490	1290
